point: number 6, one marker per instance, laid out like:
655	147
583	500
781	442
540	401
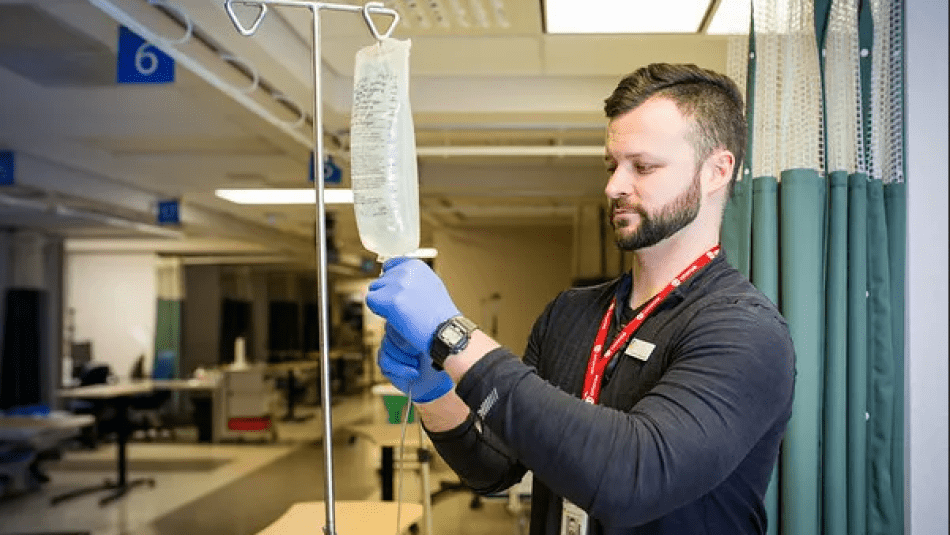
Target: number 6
145	56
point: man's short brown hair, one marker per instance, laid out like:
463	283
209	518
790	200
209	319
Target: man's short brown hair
711	99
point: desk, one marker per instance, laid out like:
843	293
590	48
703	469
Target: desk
43	433
121	395
352	518
180	384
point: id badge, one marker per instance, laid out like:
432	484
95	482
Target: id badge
573	519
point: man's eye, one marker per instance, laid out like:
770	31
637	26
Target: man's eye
645	169
611	169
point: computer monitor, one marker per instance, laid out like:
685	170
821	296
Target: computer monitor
81	354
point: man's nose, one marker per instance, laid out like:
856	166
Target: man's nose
617	185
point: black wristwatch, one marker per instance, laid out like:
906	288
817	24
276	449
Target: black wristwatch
451	336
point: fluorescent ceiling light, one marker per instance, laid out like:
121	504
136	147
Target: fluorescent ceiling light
285	196
624	16
731	18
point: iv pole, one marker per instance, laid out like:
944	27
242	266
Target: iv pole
321	246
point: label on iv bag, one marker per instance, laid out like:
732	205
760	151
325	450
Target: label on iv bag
375	104
383	155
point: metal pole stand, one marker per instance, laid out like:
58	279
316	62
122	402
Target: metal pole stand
368	9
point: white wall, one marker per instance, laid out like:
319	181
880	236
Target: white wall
114	296
525	266
926	456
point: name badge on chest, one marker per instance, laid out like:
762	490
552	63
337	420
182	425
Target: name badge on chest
639	349
573	519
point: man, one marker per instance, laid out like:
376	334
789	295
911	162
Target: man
651	404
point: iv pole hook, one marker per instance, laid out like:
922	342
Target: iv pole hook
377	7
243	30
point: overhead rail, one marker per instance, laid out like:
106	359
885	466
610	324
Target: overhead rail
62	210
126	15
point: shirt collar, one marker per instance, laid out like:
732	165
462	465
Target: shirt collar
622	295
625	286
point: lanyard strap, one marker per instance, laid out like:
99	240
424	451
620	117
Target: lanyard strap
599	357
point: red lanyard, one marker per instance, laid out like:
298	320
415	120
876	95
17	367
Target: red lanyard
599	358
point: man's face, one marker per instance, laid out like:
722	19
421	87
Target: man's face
655	185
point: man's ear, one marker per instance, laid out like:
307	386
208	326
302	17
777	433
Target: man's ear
720	166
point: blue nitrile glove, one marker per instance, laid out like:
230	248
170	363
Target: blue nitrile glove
412	299
411	371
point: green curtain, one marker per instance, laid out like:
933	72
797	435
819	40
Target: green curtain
828	248
835	414
856	491
895	209
882	378
737	220
801	224
168	329
765	273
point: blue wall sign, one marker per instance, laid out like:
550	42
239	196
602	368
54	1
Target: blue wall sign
168	213
331	171
6	168
140	62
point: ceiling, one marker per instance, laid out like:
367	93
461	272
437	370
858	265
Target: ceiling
508	119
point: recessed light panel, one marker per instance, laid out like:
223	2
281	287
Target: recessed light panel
285	196
731	18
624	16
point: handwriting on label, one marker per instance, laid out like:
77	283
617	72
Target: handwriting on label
375	106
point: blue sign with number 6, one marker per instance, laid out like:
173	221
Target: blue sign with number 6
140	62
168	212
331	171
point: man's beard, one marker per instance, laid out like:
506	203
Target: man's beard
652	229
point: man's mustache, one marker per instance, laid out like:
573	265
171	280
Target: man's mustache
616	204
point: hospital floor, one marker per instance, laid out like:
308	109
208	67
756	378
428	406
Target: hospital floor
240	488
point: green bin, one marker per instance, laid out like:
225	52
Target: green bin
395	405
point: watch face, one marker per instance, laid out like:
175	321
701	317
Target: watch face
452	335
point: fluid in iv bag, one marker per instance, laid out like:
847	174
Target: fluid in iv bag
383	151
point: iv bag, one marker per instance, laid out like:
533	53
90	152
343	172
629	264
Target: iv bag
383	151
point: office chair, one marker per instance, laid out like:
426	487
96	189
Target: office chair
147	409
138	369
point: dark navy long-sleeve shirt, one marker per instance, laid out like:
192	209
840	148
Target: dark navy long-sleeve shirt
683	442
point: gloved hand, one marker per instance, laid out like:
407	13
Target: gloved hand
412	299
411	371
